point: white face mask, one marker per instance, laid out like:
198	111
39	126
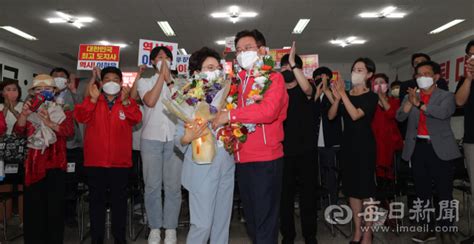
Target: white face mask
357	78
247	59
424	82
61	82
395	92
158	65
212	75
111	88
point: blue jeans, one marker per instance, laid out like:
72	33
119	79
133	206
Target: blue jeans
161	167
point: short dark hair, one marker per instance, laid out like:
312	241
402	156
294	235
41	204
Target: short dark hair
7	82
381	75
286	60
111	69
154	52
434	66
395	83
59	70
198	57
469	46
417	55
322	70
257	35
369	64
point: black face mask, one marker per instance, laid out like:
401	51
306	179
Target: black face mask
288	75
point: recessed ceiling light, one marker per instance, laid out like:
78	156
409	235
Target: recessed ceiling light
348	41
446	26
183	51
77	21
166	28
107	43
220	42
388	12
299	28
19	33
234	14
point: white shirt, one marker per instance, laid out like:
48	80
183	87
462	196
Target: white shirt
10	118
137	132
158	124
321	131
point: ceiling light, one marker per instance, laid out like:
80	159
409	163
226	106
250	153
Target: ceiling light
73	20
446	26
166	28
220	42
302	23
234	14
183	51
19	33
107	43
286	47
348	41
388	12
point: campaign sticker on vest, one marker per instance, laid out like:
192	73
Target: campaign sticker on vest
71	167
11	169
121	115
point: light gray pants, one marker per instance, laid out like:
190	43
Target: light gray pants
161	167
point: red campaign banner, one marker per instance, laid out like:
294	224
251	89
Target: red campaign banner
99	52
102	56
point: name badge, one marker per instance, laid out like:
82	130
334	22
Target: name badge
11	169
71	167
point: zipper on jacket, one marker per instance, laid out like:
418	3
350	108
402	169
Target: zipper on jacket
264	136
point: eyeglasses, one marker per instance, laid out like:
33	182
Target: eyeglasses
246	48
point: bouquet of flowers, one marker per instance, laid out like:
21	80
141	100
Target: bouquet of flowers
234	134
200	99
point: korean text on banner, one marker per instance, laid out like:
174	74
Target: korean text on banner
97	55
145	47
182	64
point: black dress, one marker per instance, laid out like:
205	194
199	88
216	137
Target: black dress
358	153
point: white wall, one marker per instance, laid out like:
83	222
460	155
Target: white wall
451	61
24	62
25	70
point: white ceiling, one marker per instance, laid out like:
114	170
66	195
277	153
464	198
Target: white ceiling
129	20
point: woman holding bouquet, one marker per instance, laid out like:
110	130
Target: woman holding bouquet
210	186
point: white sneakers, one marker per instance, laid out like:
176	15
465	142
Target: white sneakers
170	236
155	236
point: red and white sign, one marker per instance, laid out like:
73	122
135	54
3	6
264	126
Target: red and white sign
128	78
310	64
146	46
101	56
182	64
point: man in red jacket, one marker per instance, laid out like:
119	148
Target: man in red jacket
260	158
109	117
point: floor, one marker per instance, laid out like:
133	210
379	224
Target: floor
238	234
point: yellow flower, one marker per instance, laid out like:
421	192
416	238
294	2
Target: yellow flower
254	92
230	106
237	133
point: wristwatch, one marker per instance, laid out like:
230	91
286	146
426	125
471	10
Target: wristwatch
293	67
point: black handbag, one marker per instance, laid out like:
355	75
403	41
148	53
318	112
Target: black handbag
13	148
